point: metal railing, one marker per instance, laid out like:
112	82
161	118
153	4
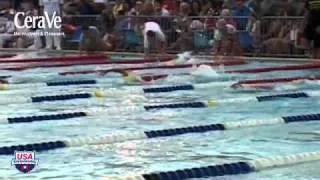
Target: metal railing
262	37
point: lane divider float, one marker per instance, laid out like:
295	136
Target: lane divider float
178	66
280	68
116	138
83	62
159	89
56	59
235	168
241	84
200	104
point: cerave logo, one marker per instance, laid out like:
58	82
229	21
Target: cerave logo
24	161
32	22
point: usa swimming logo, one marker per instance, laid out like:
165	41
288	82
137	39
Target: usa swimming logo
24	161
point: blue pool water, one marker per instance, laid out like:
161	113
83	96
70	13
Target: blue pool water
168	153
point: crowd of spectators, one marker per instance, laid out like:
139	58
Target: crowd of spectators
188	24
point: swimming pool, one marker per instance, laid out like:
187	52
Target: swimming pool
164	153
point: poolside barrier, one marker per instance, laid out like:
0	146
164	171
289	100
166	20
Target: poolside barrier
235	168
110	139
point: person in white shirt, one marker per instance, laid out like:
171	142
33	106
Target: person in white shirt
51	7
154	37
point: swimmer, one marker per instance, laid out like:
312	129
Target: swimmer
90	41
133	78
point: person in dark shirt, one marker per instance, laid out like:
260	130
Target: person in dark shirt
312	25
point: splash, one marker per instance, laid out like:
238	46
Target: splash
183	58
205	71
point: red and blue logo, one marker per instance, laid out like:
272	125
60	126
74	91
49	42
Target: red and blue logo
24	161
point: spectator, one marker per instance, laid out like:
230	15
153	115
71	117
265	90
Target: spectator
159	9
184	40
91	41
70	8
148	9
117	7
207	9
51	7
225	39
108	21
227	16
137	8
241	11
85	7
195	8
7	29
254	29
312	25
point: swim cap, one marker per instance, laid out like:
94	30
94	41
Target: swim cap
132	78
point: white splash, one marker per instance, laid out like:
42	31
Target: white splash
204	71
183	58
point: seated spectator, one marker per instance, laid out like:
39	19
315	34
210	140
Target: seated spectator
91	41
196	25
226	41
85	7
7	29
159	9
117	7
207	9
227	16
148	9
184	40
136	10
70	8
108	21
195	8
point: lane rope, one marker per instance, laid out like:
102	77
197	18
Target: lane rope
200	104
218	63
235	168
116	138
281	68
83	62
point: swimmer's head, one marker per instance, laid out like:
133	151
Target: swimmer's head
150	34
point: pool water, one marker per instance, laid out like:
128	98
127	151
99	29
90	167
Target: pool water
168	153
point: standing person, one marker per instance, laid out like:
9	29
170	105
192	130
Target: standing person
51	7
312	25
154	37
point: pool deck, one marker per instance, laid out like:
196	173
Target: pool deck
74	52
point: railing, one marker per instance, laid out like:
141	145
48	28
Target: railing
270	35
